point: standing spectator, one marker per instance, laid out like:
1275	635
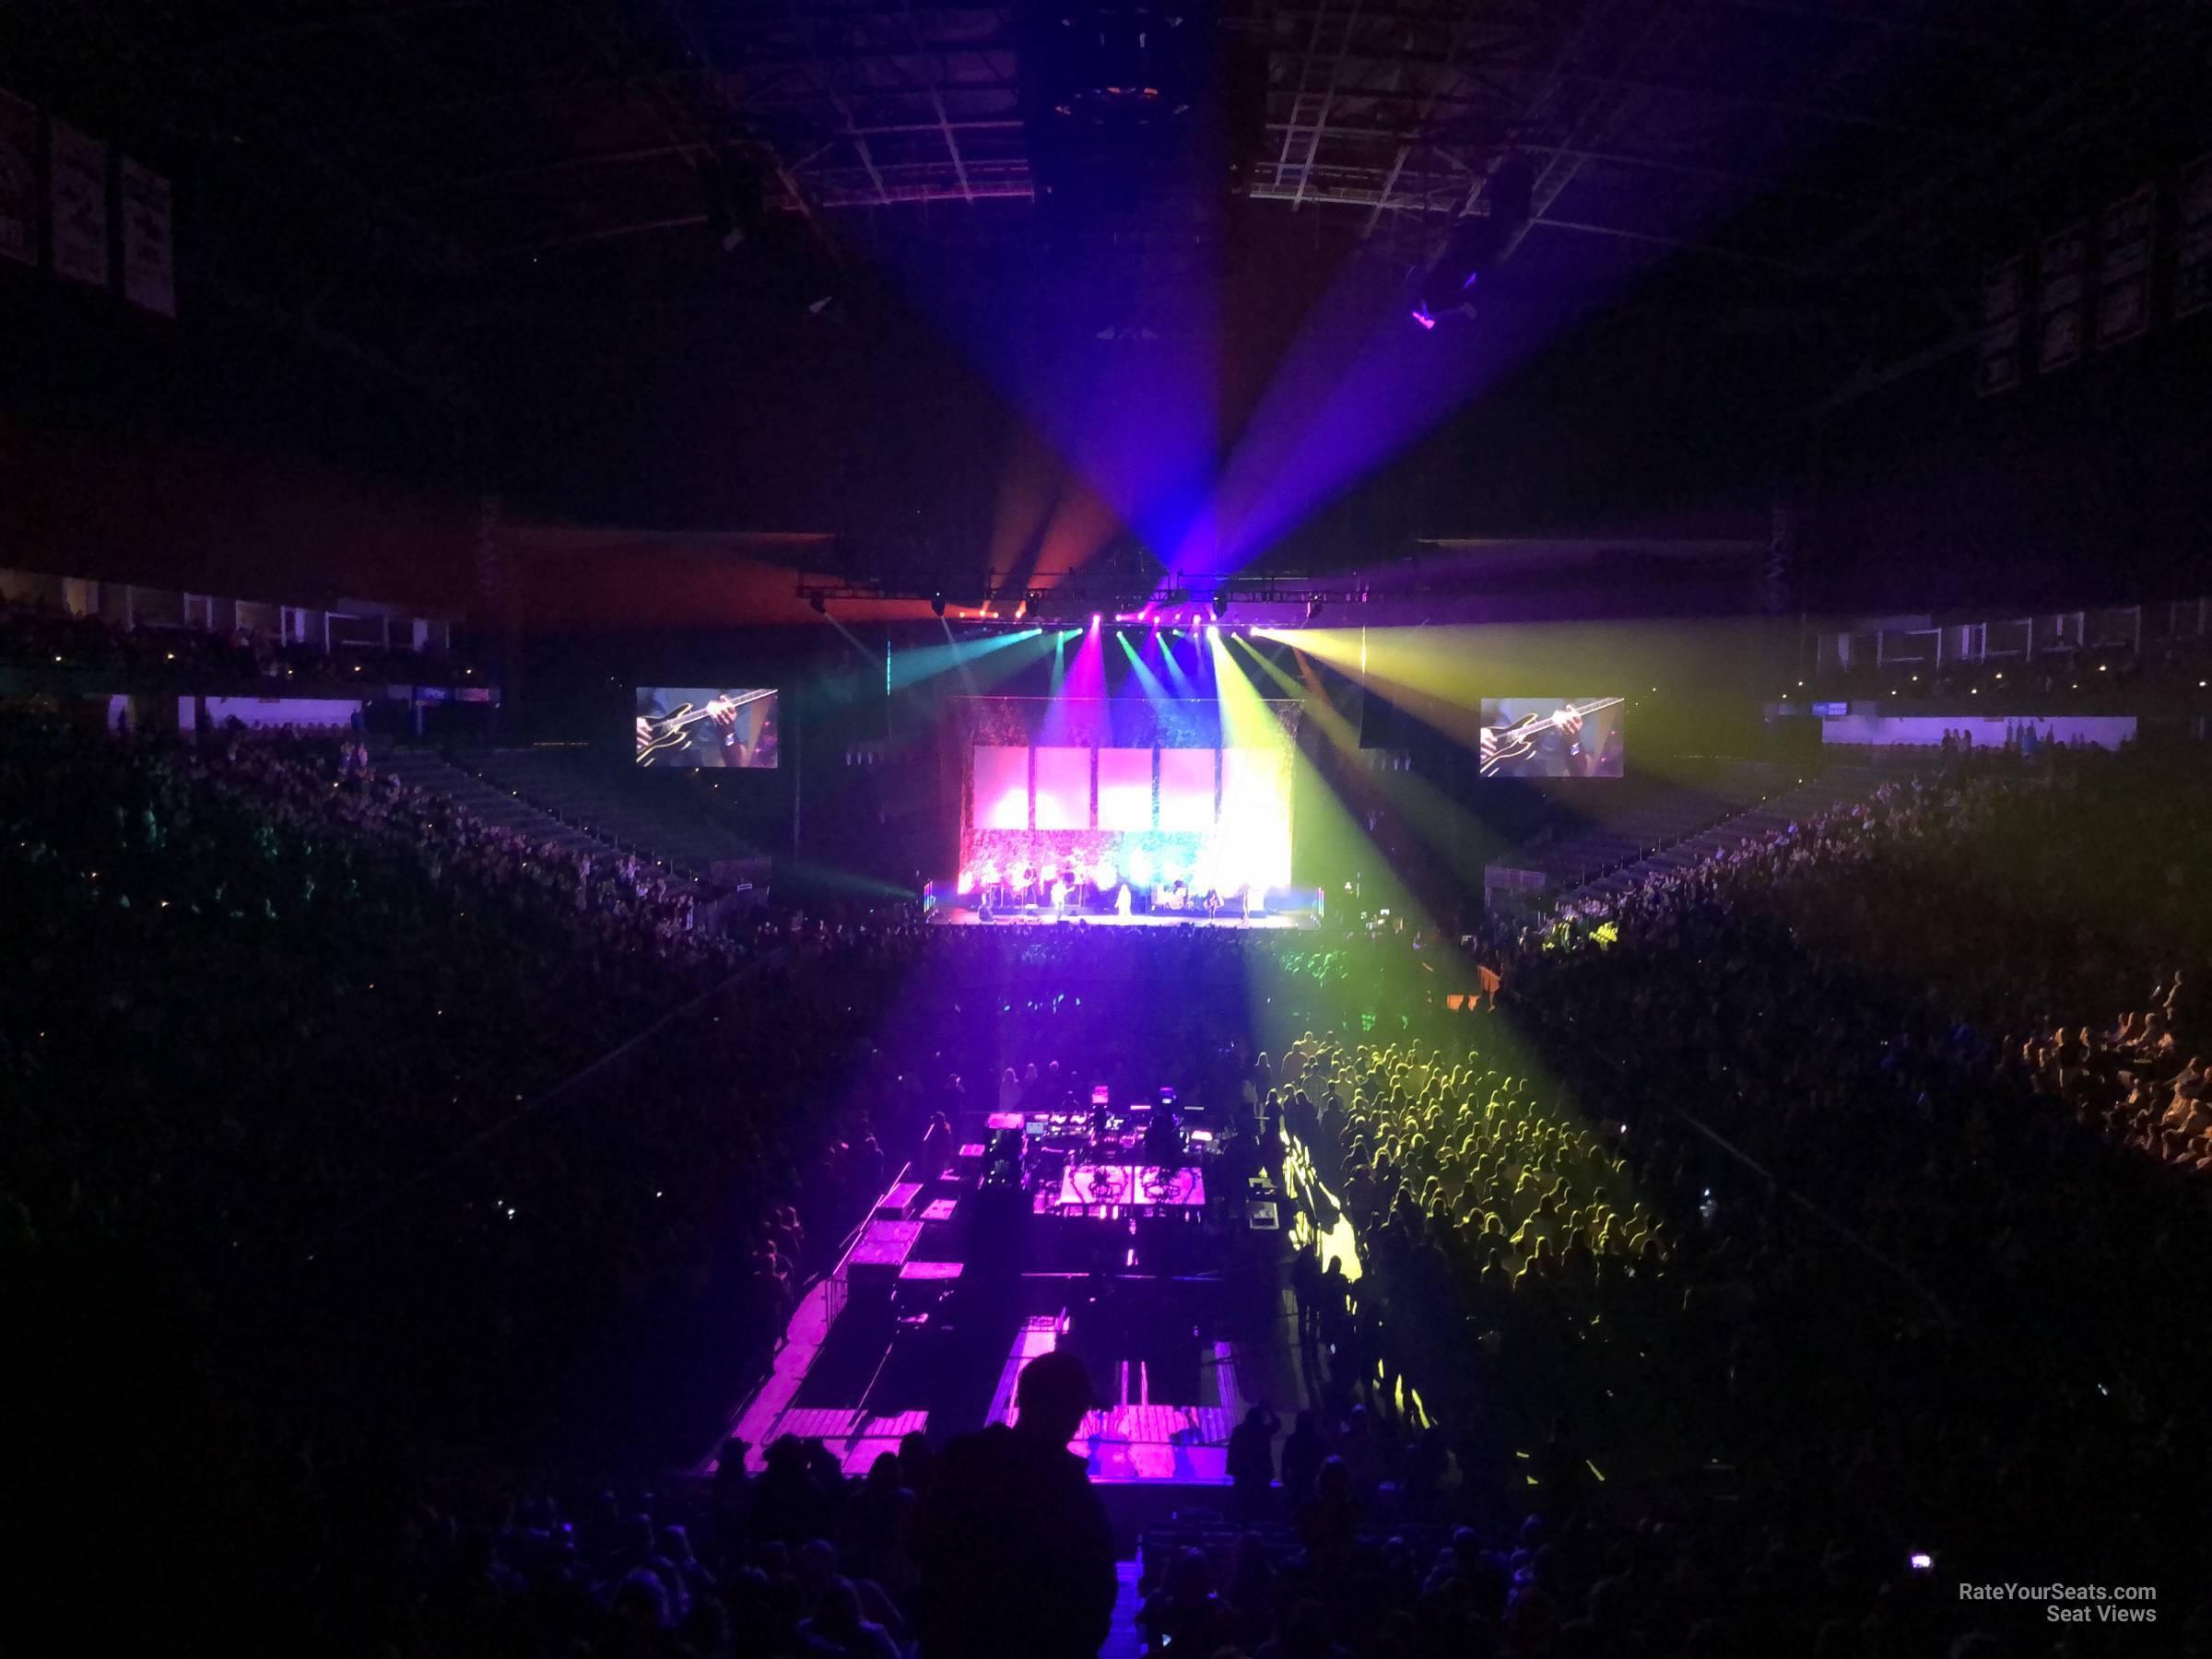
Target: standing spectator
1251	1460
1015	1555
1303	1453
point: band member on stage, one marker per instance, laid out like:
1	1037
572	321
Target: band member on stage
1163	1138
1179	896
1024	880
1212	903
1122	901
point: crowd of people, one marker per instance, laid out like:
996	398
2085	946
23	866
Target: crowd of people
177	906
373	1132
1841	1193
1928	1066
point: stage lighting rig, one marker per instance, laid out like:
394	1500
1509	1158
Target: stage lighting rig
1478	245
1275	599
1116	60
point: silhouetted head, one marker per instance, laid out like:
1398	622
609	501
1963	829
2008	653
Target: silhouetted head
1053	1395
837	1610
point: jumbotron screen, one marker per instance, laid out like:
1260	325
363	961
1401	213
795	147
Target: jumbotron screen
1552	736
692	727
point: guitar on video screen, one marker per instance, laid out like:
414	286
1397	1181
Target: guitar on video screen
1506	747
658	734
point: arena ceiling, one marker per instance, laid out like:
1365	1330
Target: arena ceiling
466	151
520	210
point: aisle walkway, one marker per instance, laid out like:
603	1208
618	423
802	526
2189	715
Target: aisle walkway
1124	1640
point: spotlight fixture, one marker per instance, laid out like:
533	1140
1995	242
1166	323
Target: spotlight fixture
1220	605
937	605
1477	245
815	602
1312	609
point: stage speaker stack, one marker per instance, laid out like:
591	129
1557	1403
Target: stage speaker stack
1381	726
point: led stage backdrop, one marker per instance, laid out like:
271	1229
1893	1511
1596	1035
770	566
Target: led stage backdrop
1000	786
1552	736
1147	793
692	727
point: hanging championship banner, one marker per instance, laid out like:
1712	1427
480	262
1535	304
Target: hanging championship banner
2123	250
2192	241
2059	314
2003	298
19	181
149	275
78	189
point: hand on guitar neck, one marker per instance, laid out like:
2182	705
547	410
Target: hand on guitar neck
1505	749
664	735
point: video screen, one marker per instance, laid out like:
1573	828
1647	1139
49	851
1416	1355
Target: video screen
692	727
1552	736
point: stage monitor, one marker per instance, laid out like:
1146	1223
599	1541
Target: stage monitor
687	727
1552	736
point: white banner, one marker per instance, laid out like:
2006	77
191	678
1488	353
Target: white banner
149	274
78	183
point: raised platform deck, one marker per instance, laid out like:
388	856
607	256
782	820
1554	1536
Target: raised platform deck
925	1324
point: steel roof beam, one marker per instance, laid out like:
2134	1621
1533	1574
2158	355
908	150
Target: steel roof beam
952	145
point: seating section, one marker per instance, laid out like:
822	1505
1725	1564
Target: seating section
1652	818
659	818
503	807
552	797
1806	799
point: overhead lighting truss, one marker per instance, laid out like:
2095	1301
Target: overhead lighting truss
1077	599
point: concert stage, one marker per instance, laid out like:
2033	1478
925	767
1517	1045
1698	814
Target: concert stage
963	916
